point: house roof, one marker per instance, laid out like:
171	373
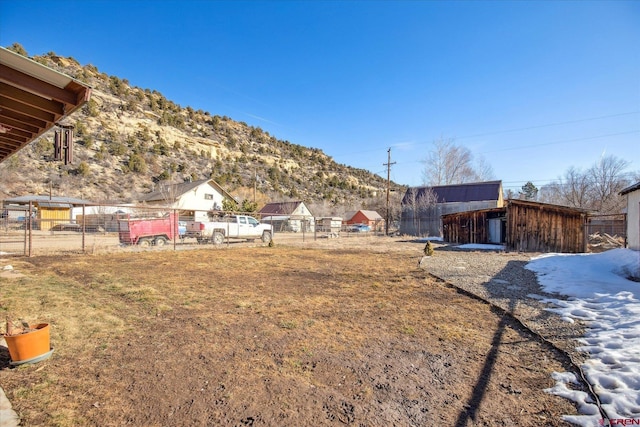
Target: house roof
177	190
46	201
370	215
631	188
470	192
33	99
283	208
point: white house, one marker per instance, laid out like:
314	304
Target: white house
194	199
633	215
288	216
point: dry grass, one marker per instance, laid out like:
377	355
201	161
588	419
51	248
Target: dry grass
284	307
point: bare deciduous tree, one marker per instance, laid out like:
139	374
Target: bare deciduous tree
596	189
483	170
606	182
448	163
570	190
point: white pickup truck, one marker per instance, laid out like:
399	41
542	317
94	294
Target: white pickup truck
230	226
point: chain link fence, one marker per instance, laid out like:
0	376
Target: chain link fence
50	228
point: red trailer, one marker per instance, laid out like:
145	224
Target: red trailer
148	231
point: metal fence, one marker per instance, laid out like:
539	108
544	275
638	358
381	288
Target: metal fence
41	229
613	225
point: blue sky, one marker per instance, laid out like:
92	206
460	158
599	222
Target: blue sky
533	87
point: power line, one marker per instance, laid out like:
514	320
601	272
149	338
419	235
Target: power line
590	119
498	132
562	141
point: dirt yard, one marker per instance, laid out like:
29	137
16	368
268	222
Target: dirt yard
259	336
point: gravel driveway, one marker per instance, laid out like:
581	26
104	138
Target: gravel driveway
502	279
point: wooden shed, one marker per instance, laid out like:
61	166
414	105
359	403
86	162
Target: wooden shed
329	224
49	211
521	225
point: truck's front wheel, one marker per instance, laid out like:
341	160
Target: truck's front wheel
266	237
217	238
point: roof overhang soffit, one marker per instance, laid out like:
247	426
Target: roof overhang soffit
33	98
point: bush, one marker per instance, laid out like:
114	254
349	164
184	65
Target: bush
83	169
137	164
428	249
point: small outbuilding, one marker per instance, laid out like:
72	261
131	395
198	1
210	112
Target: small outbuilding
521	225
47	211
370	218
329	224
288	216
632	194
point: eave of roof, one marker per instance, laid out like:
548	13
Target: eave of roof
631	188
33	99
530	203
41	200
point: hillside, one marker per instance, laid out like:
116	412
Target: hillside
129	140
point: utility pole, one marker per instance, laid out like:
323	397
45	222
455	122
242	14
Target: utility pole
388	165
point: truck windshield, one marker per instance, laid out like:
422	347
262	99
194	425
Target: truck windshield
252	221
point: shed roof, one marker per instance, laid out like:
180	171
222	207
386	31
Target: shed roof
282	208
530	203
33	99
547	206
470	192
46	201
631	188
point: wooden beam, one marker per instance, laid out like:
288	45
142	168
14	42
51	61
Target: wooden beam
32	84
23	118
28	98
14	124
14	139
31	111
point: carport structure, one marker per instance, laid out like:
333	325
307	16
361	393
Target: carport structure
33	99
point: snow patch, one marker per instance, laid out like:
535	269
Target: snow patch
608	302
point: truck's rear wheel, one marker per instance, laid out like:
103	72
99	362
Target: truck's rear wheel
144	243
266	237
217	238
160	241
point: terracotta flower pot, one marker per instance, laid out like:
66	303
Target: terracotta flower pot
29	347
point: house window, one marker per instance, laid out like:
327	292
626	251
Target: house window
208	196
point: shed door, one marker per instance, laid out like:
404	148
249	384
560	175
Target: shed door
495	230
